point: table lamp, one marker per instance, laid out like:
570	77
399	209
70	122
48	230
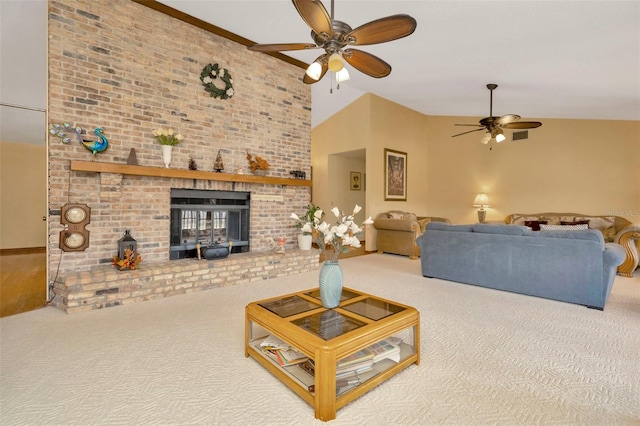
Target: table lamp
482	201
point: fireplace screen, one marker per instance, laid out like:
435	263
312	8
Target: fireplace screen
208	218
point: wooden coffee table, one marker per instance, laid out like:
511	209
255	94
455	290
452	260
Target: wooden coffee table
327	337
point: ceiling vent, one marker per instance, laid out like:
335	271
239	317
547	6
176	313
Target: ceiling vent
518	136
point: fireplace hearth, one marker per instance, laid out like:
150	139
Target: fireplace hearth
210	220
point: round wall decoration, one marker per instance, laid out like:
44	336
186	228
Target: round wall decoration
213	77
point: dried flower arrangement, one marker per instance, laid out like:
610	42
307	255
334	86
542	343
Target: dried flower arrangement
129	262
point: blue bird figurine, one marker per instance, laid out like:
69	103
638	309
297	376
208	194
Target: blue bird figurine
96	146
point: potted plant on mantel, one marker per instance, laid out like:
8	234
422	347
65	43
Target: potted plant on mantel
258	166
167	138
304	224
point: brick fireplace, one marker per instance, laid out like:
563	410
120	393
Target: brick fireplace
129	69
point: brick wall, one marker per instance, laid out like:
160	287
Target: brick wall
129	69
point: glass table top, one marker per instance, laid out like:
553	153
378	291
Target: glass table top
373	308
328	324
346	294
288	306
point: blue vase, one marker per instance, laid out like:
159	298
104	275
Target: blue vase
330	284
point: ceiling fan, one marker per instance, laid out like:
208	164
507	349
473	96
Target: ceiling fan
494	125
337	37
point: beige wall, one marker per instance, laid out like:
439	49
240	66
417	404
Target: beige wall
340	168
349	131
23	195
373	124
583	166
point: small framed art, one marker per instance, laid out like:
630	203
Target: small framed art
355	181
395	175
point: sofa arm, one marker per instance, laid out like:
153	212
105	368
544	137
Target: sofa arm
627	239
396	224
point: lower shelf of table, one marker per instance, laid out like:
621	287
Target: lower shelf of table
380	372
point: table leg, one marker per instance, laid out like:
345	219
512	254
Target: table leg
325	381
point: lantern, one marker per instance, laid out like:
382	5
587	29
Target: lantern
127	242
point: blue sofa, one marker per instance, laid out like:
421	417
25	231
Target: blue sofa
570	266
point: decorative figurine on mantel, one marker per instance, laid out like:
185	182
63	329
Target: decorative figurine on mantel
192	164
218	166
259	166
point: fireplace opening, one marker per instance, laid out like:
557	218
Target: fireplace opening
212	219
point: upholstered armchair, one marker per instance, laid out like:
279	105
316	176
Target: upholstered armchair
397	232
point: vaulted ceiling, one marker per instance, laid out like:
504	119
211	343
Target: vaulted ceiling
551	59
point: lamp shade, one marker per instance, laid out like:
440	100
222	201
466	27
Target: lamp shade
314	70
481	200
335	62
342	75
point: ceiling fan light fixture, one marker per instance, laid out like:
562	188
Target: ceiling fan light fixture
500	136
314	70
342	75
485	138
335	62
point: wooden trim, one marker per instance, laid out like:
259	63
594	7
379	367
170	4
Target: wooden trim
125	169
24	250
181	16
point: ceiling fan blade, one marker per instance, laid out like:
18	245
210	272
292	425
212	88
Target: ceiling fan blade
474	125
470	131
322	60
367	63
523	125
315	16
280	47
506	119
382	30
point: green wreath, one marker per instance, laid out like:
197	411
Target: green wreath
210	74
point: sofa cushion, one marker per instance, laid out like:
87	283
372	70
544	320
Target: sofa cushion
575	222
442	226
486	228
577	227
520	219
409	216
605	224
588	234
535	224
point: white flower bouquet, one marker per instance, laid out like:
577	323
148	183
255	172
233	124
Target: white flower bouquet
339	237
167	137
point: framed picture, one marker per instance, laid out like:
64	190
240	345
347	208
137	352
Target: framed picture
395	175
355	181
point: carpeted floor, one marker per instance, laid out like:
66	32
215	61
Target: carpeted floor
488	357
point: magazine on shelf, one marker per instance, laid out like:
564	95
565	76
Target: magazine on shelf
354	371
386	349
365	354
285	357
273	342
281	352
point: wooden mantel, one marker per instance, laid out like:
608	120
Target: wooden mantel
125	169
